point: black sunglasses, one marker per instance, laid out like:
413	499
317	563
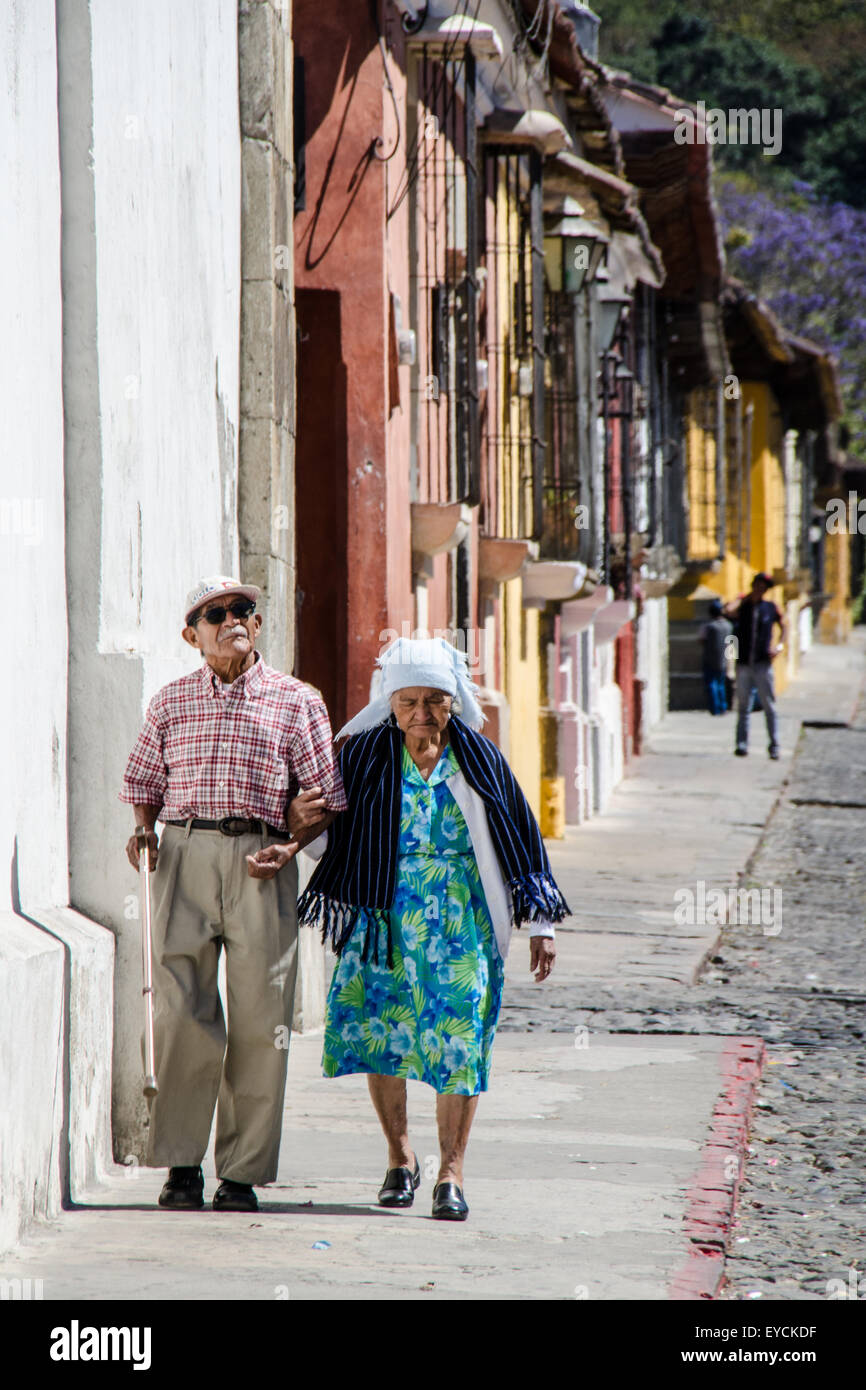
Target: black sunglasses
241	608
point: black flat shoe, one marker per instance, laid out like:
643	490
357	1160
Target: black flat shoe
184	1190
398	1189
235	1196
449	1203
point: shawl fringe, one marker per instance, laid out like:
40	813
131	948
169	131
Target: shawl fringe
339	921
536	897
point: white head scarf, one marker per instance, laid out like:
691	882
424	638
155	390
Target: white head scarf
426	661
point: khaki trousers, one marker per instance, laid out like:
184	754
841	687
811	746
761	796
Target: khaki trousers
204	899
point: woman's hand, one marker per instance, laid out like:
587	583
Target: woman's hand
542	954
267	862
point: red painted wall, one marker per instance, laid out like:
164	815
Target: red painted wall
624	675
339	250
354	399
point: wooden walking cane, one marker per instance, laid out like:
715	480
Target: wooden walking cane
150	1086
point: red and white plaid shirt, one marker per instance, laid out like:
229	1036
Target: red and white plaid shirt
211	750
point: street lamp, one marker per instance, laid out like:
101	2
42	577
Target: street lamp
611	305
573	249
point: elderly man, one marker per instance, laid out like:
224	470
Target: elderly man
754	617
221	761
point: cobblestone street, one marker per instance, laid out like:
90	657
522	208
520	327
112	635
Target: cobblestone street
801	1216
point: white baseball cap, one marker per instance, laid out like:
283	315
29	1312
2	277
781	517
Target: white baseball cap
217	586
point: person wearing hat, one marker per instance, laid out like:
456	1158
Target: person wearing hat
436	858
755	617
220	761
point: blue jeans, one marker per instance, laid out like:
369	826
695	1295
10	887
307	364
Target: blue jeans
758	676
717	694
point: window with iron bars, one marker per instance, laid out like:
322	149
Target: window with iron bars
444	256
567	531
738	492
703	524
512	334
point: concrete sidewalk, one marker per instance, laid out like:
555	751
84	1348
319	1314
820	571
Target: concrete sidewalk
585	1154
575	1177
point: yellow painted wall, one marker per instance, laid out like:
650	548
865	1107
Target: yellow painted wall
768	480
519	629
734	573
521	681
702	543
700	488
834	624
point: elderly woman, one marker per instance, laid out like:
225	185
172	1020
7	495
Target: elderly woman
437	856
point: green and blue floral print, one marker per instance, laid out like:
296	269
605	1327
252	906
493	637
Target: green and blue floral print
432	1016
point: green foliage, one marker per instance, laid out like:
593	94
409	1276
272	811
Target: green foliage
806	57
628	28
741	72
816	31
835	155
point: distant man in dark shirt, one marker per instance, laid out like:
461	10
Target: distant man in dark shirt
714	636
754	619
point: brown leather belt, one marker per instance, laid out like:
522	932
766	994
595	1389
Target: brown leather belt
234	825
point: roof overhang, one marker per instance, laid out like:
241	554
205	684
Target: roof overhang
536	127
444	35
801	373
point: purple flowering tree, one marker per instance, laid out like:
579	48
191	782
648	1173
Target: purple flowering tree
807	259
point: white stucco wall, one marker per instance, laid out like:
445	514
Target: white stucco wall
31	1109
32	698
55	968
606	722
652	660
152	297
120	150
166	157
31	467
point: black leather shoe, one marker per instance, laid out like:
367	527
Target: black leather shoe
398	1189
449	1203
235	1196
184	1190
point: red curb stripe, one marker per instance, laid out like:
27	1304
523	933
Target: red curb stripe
712	1198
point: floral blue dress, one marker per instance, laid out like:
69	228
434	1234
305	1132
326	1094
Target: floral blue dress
432	1016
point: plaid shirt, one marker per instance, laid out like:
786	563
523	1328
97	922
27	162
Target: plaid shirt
245	749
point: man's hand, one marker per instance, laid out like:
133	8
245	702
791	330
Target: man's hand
306	810
542	954
133	847
267	862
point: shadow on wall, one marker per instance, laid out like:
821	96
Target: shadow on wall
335	57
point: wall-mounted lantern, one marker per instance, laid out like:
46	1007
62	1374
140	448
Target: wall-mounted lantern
573	248
612	305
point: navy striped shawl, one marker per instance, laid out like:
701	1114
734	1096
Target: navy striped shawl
359	867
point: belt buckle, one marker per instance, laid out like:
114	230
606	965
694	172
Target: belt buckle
231	821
